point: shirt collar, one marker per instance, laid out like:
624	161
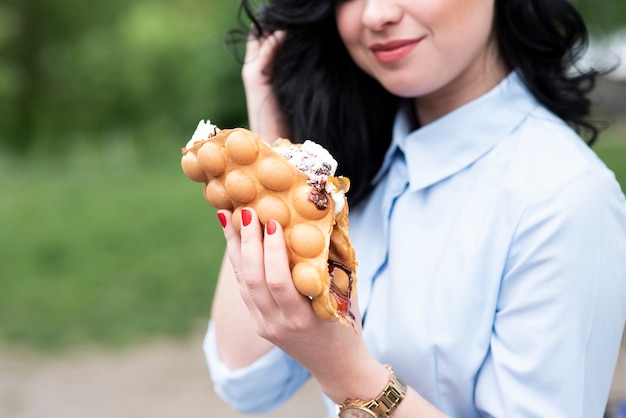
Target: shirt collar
455	141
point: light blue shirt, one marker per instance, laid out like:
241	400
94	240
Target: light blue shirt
492	268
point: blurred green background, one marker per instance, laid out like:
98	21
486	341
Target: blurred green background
102	238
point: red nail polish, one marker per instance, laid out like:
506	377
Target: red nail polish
222	219
246	217
270	227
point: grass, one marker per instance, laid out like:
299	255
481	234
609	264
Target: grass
111	246
105	250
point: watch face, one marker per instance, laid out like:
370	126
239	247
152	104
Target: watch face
356	413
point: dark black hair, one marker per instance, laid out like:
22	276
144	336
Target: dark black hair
326	97
545	40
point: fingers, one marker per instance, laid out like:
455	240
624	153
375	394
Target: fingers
252	262
265	268
260	53
263	49
261	266
249	264
264	114
277	271
233	241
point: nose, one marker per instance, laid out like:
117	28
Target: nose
378	14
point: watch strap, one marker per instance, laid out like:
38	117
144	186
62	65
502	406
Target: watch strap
385	403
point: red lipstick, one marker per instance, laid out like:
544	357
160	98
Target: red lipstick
393	51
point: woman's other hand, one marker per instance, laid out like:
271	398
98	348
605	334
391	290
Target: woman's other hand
263	111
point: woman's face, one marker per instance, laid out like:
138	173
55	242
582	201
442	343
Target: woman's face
416	48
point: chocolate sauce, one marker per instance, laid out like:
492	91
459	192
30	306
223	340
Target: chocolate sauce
343	299
318	196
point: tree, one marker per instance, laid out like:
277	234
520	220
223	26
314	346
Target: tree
84	71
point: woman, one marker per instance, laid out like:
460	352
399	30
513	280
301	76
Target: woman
490	239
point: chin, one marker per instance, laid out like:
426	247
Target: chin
408	91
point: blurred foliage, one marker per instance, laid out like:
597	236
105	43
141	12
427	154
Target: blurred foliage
74	71
97	249
103	238
602	16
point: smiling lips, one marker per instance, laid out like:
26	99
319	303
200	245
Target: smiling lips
393	51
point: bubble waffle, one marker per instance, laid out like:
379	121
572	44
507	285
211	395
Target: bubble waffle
239	170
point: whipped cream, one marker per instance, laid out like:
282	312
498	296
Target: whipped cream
312	159
316	162
204	130
337	195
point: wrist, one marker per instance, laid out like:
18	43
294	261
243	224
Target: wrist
381	406
364	380
264	117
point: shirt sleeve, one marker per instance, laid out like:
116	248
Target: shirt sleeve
561	307
260	387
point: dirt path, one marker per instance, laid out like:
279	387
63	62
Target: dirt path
163	379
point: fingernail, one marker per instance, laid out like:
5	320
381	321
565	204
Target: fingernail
246	217
270	227
222	219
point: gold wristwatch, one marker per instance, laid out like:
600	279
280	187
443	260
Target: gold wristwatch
380	407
